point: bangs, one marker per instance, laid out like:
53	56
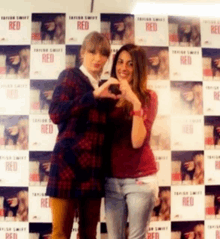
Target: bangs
99	44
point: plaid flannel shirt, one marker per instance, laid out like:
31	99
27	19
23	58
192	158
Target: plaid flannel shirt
76	162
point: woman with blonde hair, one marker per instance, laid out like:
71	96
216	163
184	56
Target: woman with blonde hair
76	180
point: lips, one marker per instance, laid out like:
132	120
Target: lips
96	65
123	74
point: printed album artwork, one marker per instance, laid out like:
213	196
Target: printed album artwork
183	57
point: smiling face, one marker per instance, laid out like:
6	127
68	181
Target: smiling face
124	67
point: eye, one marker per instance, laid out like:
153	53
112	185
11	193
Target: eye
92	51
119	61
130	63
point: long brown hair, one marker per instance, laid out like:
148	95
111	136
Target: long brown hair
139	80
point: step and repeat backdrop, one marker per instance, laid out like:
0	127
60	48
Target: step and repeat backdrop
184	69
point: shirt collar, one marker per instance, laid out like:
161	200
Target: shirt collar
94	82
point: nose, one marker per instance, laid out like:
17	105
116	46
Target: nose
124	67
98	56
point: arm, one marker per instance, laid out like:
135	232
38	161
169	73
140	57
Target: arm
69	99
141	126
72	97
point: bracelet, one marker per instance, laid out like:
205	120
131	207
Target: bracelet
139	113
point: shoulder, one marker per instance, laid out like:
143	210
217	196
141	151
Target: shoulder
151	97
68	76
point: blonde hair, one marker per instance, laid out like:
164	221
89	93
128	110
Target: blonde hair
96	41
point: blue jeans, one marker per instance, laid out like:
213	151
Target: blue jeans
129	198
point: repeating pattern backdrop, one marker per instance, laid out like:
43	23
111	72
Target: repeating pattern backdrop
184	69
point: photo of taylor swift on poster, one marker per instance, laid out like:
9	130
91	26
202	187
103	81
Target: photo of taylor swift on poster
48	28
14	62
73	56
14	204
184	31
39	167
187	167
41	95
14	132
212	132
212	202
158	63
187	98
187	230
118	28
211	64
161	211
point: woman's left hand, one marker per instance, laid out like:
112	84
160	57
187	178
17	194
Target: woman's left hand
127	93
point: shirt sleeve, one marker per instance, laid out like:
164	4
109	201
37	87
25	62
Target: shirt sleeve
150	112
70	98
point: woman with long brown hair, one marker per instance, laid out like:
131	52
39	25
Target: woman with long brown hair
131	183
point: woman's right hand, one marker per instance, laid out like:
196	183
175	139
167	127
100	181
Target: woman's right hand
103	92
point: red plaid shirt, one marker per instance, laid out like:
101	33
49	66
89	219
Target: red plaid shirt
76	168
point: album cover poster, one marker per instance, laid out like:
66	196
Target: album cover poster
108	65
187	98
212	229
212	202
42	133
40	230
160	133
15	29
80	25
14	230
184	31
47	61
118	28
14	168
211	64
210	32
14	132
187	132
161	211
185	64
187	167
163	160
39	205
157	62
212	132
188	230
14	97
41	92
73	56
187	202
151	30
211	98
212	167
14	62
14	204
48	28
162	88
159	230
39	168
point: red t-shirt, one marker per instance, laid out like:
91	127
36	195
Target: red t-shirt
127	162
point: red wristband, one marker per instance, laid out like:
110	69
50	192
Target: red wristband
139	113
